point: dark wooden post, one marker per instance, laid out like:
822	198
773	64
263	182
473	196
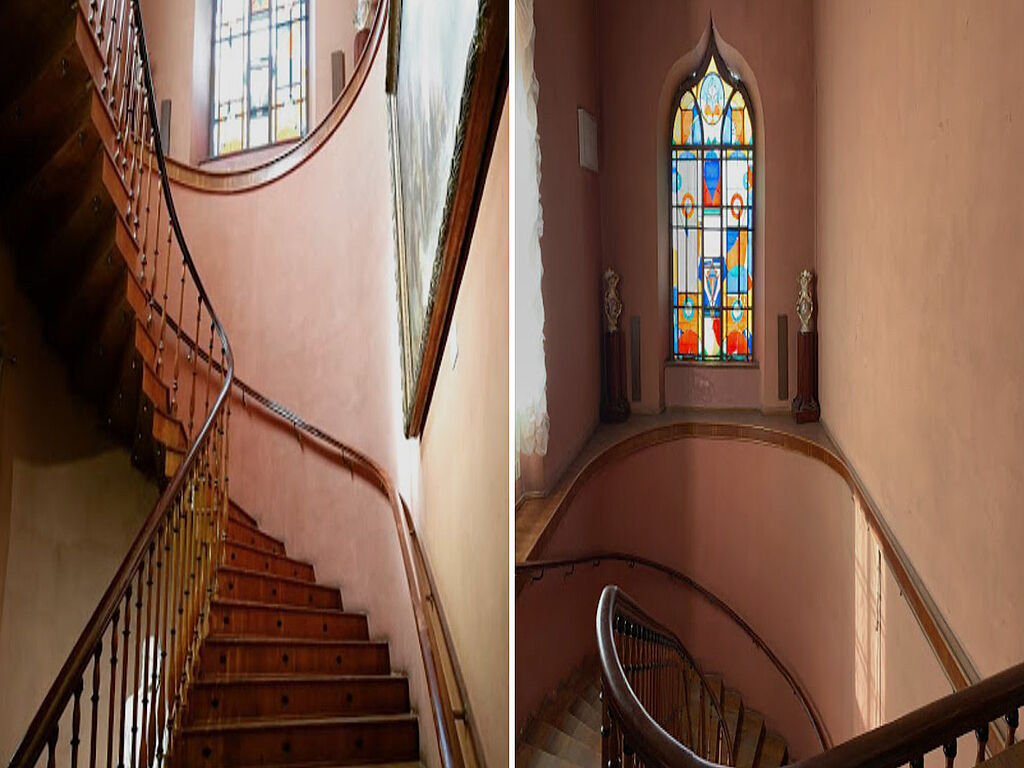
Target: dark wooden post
805	404
614	406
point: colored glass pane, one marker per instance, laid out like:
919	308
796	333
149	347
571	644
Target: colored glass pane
712	202
260	77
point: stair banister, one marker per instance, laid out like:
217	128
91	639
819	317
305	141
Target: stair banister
180	505
903	741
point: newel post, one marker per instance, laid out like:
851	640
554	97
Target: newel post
805	404
614	406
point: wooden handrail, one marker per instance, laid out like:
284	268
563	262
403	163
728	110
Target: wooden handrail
641	732
905	740
535	567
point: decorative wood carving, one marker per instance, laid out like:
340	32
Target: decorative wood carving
805	404
614	406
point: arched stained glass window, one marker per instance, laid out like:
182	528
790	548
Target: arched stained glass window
712	217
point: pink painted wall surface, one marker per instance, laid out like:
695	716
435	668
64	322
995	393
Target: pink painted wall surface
566	62
800	566
461	504
919	192
643	57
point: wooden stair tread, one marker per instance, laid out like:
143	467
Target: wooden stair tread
751	739
773	751
530	756
265	723
300	677
258	605
273	576
270	640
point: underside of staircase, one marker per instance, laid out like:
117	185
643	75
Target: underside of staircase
566	730
63	217
287	677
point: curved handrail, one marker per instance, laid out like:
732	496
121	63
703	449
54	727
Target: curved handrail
539	518
905	740
421	589
531	567
645	736
272	169
42	730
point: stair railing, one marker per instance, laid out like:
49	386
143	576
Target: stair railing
634	736
646	675
536	569
121	694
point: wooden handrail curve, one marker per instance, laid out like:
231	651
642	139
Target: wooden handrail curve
905	740
41	733
536	568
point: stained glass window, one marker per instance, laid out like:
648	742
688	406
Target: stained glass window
259	73
712	217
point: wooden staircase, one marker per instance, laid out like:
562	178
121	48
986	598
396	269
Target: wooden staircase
287	677
71	193
566	731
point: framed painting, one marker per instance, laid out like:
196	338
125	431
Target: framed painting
446	81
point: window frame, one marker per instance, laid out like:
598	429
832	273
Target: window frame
730	77
212	153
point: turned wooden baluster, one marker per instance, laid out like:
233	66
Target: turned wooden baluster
113	688
1012	721
981	734
76	722
177	352
949	750
192	354
95	699
51	748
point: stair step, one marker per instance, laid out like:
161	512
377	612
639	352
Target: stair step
751	739
733	711
243	533
232	698
236	618
239	514
257	586
261	655
773	751
252	559
544	735
529	756
287	741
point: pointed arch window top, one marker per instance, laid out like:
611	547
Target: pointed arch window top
712	218
712	108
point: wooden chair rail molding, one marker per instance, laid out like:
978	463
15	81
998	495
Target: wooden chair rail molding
245	179
181	537
537	520
906	740
535	570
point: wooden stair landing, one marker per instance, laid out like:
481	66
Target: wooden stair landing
286	677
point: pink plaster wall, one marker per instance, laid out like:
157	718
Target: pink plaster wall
919	190
566	62
643	56
461	503
800	566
